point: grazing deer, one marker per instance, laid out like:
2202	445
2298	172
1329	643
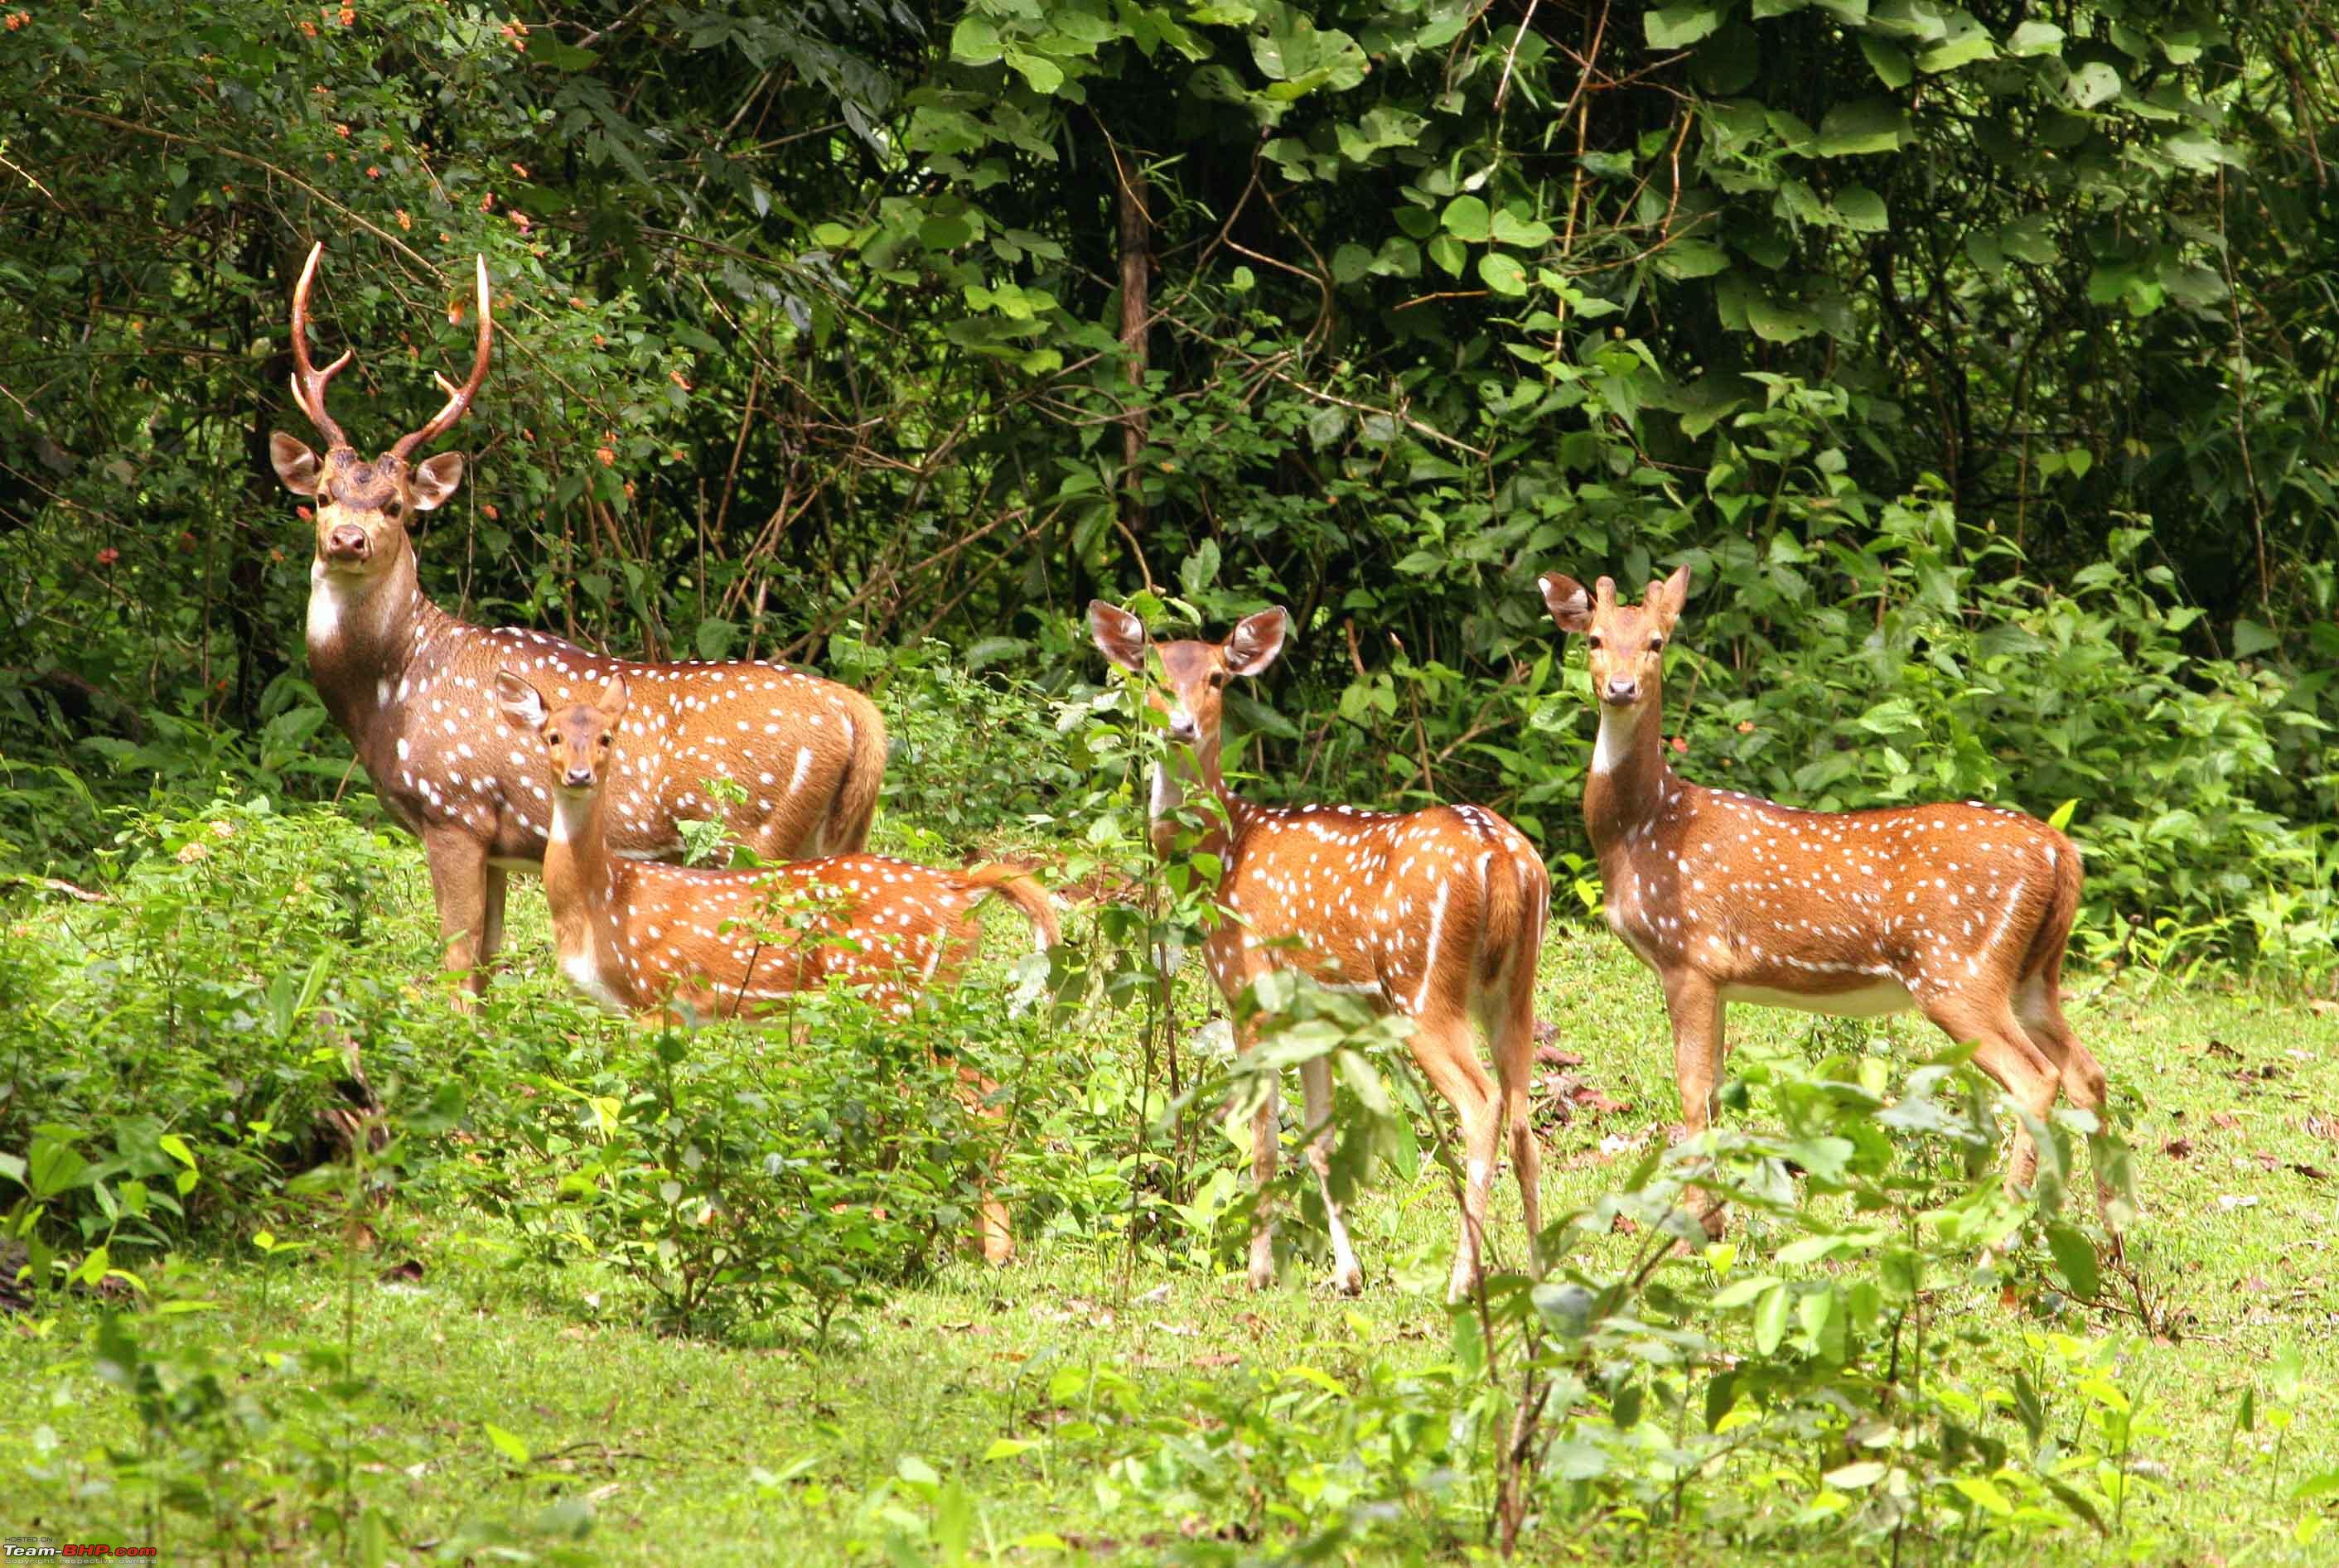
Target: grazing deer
1959	911
1435	915
410	685
643	938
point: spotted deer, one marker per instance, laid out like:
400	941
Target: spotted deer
1433	915
412	686
698	944
1960	912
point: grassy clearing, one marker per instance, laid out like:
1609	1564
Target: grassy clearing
667	1447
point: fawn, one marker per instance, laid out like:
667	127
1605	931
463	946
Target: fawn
644	938
1959	911
1435	914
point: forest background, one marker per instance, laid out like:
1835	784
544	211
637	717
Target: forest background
1978	361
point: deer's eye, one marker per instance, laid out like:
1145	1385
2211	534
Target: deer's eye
1218	679
1593	641
1656	645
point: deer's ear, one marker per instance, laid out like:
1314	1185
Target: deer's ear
1121	634
294	463
521	703
1564	596
1669	597
613	697
435	479
1257	640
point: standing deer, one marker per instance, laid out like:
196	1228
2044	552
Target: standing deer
1959	911
410	685
1435	915
644	939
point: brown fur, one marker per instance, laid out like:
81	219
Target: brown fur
412	688
1436	916
1961	911
701	944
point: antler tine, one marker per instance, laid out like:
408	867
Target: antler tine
308	382
460	398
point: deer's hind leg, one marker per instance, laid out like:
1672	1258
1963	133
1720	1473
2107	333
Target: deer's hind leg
2005	1051
2039	1004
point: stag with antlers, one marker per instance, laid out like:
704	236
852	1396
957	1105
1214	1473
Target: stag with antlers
414	689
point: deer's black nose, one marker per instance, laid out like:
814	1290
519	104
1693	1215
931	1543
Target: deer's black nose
576	778
348	543
1623	691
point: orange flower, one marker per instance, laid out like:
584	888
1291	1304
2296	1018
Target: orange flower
373	171
489	510
520	170
17	19
340	130
307	26
608	459
1680	744
404	222
349	15
488	202
108	556
677	378
629	490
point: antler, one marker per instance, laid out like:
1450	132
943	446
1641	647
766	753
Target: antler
461	396
308	382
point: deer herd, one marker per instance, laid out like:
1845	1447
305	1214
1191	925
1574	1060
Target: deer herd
505	749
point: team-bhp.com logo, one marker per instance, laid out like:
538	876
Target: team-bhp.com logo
17	1547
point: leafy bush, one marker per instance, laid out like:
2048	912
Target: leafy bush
225	990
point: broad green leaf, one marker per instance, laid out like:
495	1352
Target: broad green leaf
1685	258
506	1443
1864	125
2062	817
1465	218
1889	61
2034	38
1528	233
2251	638
1771	1319
1984	1492
974	41
1447	251
2092	83
1966	42
2074	1258
1858	1476
1862	210
1044	75
1679	26
1502	273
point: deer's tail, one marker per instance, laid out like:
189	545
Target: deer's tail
847	829
1022	889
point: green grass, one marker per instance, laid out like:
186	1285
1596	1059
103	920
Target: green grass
687	1450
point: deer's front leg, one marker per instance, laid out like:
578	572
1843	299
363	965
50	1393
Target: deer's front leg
1316	1083
1694	1005
491	921
1265	1147
459	883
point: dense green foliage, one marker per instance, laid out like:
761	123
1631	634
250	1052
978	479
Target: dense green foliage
1974	358
577	1276
2006	328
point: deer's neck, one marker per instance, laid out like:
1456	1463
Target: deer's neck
577	885
1629	780
362	636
